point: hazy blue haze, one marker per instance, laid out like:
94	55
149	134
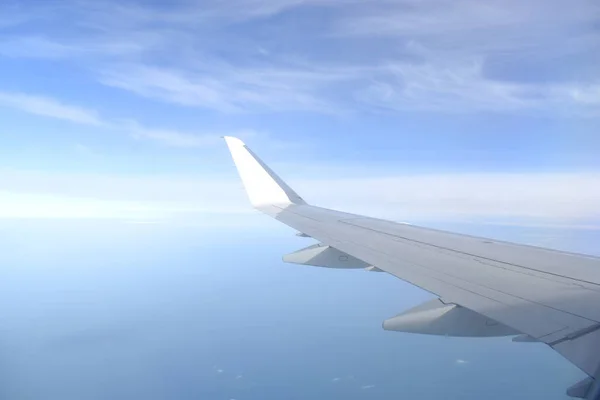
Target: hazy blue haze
98	310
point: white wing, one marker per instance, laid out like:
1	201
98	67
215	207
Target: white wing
485	287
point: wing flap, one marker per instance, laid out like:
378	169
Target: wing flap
582	350
436	317
320	255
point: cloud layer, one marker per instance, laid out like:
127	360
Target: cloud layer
269	57
54	108
558	199
510	56
49	107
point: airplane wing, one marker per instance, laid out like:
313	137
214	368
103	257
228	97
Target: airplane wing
485	287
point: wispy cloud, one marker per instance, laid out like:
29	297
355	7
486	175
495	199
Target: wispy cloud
223	87
460	361
446	86
547	197
12	14
462	17
35	47
438	85
366	387
53	108
436	56
70	195
169	137
41	206
528	199
49	107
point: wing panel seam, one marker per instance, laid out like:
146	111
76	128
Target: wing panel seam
470	254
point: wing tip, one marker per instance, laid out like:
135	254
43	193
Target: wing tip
263	186
232	141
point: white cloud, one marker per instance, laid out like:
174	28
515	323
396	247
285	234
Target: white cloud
546	200
586	95
175	138
366	387
40	47
42	206
168	193
225	88
460	361
443	17
49	107
543	196
169	137
35	47
463	29
447	86
11	14
53	108
242	10
434	59
170	86
190	12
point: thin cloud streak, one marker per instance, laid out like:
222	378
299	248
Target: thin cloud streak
457	88
529	199
544	196
447	48
502	22
228	89
169	137
366	387
53	108
49	107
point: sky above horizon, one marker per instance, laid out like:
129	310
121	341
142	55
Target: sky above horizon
403	108
120	205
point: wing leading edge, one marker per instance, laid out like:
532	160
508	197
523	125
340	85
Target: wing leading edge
545	295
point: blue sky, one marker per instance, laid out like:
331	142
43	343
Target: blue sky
119	203
138	94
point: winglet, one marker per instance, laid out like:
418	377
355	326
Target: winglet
263	186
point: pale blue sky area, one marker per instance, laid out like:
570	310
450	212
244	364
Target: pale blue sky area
408	85
106	101
131	264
